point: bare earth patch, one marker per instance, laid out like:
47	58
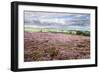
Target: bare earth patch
44	46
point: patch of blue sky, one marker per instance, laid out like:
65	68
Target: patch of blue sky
67	17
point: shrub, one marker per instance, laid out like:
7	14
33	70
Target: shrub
85	33
37	54
52	52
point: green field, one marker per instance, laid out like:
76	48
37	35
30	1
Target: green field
42	30
74	32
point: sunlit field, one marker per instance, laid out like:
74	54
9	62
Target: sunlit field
73	32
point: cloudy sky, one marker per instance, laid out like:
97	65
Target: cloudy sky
56	19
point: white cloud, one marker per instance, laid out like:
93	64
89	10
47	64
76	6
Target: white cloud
56	18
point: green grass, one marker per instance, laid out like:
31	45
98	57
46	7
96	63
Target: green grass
73	32
41	30
32	29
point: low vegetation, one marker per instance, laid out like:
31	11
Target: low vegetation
45	46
